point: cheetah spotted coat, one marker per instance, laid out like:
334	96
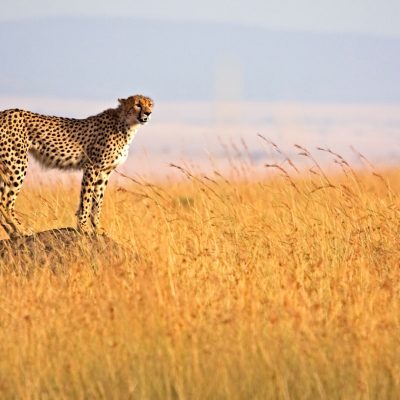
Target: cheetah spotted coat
96	145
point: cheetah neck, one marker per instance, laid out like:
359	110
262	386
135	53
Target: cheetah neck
127	125
131	131
128	130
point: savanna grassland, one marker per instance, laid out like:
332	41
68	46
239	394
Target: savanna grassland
285	286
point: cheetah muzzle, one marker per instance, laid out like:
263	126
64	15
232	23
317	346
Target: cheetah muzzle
96	145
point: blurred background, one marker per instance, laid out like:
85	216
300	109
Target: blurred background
222	73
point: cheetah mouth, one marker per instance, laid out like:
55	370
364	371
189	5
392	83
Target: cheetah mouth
142	121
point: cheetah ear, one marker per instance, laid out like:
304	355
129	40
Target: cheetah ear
126	102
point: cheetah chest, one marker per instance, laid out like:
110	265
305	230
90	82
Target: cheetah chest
122	154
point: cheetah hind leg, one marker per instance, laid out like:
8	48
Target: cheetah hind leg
10	224
8	220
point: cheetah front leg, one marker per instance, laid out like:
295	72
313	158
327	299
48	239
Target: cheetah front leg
85	205
98	197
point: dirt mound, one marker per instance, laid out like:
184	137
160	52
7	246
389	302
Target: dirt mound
56	247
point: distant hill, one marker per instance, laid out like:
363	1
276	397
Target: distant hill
107	58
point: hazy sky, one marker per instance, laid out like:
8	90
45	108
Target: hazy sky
360	16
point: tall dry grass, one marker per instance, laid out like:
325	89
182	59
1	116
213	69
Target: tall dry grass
286	287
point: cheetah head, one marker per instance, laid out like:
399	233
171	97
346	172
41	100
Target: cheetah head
136	109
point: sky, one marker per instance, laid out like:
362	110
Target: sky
274	50
372	17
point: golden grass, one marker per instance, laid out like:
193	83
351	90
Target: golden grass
283	288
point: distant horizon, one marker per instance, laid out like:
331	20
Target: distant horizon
195	132
79	105
97	57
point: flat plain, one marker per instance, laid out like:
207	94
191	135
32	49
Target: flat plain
283	286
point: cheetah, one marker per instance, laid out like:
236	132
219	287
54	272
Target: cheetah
96	145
